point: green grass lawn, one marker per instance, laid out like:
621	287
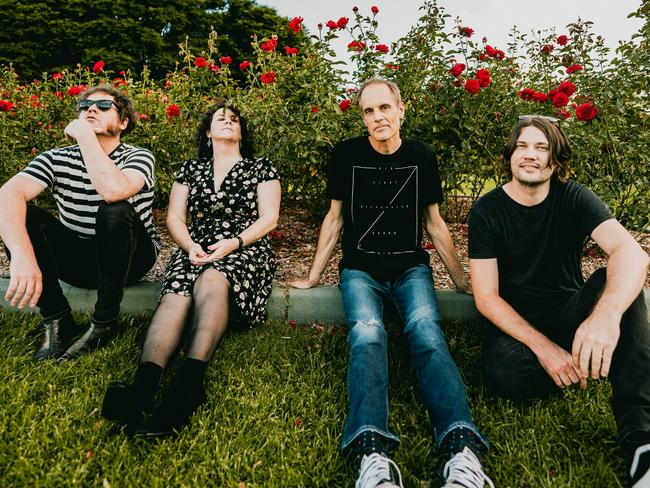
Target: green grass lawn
274	418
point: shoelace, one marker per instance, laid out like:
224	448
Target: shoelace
465	468
375	468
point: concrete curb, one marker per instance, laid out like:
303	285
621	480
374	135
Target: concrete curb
321	304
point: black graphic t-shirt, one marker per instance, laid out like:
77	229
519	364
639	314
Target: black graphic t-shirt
383	197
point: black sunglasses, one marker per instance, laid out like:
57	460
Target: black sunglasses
102	105
552	120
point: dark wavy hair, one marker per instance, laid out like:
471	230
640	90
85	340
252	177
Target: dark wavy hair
246	147
124	105
559	147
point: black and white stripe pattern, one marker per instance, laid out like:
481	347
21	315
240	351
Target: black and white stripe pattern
64	172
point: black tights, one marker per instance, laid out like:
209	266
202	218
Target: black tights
209	321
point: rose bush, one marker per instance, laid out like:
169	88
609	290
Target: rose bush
462	94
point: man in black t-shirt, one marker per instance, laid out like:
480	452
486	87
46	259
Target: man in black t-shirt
555	329
381	188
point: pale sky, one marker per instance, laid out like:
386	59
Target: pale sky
490	18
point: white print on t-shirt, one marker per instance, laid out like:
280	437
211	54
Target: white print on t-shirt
384	208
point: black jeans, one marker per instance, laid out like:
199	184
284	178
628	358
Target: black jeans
513	371
120	254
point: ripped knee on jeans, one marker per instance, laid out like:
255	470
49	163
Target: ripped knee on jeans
368	323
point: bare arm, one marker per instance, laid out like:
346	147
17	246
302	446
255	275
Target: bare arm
441	238
329	235
627	267
111	183
25	283
556	361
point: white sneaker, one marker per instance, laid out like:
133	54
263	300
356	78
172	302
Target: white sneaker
375	472
640	469
464	470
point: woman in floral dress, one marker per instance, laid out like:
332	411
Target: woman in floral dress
221	273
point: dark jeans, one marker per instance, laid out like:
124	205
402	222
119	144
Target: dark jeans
120	254
513	371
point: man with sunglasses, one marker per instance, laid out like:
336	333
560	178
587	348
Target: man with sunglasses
553	329
104	237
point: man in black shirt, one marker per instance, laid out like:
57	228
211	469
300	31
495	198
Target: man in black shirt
555	329
381	188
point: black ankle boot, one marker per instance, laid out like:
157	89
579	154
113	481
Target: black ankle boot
127	403
184	396
176	410
58	333
96	337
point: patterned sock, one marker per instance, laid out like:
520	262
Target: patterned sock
460	437
365	444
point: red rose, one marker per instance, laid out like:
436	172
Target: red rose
374	9
560	99
526	94
586	112
466	31
58	94
355	9
213	67
200	62
483	76
563	114
268	77
6	105
145	117
490	51
483	56
331	24
296	24
225	59
573	68
173	110
345	104
269	45
73	91
562	40
356	46
499	54
457	69
540	97
472	86
342	22
118	82
382	48
567	87
547	49
314	109
243	65
290	50
99	67
57	76
298	422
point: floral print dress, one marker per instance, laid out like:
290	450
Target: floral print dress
223	214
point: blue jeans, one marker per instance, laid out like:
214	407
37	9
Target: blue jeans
440	381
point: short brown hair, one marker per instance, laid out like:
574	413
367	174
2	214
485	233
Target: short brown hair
559	147
125	106
394	89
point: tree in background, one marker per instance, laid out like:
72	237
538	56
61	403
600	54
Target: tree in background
50	35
